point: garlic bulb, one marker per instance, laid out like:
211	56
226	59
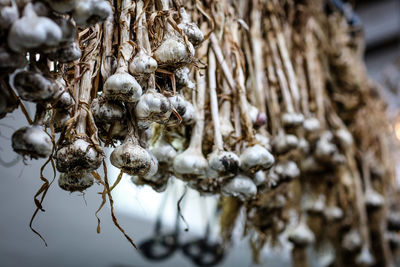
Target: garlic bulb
33	32
33	86
132	159
75	181
77	156
152	107
182	78
241	187
142	64
89	12
67	53
32	141
224	163
8	14
351	240
301	235
190	29
292	119
365	258
123	87
255	158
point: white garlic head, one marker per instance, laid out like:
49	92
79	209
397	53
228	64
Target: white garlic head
33	32
152	107
373	199
333	213
132	159
107	111
311	124
182	78
123	87
75	181
301	235
32	141
8	14
351	240
241	187
190	164
287	170
365	257
192	31
142	64
67	53
164	152
77	156
90	12
292	119
33	86
173	51
255	158
224	162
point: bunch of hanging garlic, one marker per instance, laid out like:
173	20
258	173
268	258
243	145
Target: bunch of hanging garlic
251	101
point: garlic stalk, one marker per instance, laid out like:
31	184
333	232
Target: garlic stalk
290	118
121	85
191	163
80	150
221	161
142	63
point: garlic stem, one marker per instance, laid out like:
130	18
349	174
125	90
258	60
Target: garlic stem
279	72
287	63
257	47
214	101
107	58
125	48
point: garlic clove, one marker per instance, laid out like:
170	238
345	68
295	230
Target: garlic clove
132	159
32	141
256	158
301	235
241	187
33	32
351	240
90	12
123	87
224	162
67	53
173	51
365	258
34	87
77	156
75	181
142	64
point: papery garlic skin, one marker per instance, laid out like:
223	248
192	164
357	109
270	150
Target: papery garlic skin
188	165
224	162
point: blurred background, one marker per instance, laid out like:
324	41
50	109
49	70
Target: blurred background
69	223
